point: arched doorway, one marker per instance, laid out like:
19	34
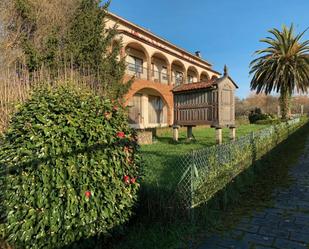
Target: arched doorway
147	108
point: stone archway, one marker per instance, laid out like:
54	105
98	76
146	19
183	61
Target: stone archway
204	76
192	75
149	107
179	73
137	60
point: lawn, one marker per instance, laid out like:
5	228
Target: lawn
271	172
163	166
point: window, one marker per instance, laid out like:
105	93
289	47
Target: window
135	65
178	77
190	78
164	73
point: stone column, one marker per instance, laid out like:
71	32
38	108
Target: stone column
233	133
185	77
198	77
302	110
189	132
122	52
149	77
144	112
219	135
169	73
175	133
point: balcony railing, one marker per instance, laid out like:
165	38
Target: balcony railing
178	80
158	76
142	73
137	70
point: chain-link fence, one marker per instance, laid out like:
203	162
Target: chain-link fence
207	171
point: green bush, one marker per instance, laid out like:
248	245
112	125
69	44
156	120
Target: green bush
257	115
71	169
268	121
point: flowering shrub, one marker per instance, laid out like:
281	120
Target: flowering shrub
72	169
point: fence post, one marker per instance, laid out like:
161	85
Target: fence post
192	218
254	152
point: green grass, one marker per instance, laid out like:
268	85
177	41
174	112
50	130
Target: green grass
163	164
269	173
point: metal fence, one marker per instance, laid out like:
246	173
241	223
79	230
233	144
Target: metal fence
207	171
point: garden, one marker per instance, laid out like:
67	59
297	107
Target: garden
162	166
244	195
72	174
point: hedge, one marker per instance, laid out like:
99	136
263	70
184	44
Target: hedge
70	169
210	170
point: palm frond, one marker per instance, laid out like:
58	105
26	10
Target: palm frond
283	64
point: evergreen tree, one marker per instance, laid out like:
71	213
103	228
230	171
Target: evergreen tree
91	45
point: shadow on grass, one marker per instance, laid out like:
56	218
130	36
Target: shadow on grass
152	227
247	193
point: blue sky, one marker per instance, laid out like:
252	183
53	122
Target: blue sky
225	31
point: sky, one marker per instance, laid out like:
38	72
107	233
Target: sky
225	31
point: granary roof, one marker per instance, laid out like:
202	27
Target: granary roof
194	86
202	84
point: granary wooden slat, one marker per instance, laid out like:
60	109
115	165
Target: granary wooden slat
209	102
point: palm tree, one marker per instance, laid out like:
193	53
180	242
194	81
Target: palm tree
282	67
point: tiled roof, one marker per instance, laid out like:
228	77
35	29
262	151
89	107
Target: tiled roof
195	86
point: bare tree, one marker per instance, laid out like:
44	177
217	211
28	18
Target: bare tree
46	17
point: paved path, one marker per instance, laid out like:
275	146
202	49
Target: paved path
283	226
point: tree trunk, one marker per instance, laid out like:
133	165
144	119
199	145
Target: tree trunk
284	99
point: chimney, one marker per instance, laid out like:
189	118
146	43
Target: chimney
198	54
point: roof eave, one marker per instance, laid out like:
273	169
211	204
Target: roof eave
161	39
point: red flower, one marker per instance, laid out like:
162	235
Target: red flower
120	134
88	194
133	180
126	179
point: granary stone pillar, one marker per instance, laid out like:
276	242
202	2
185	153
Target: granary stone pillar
175	133
189	132
233	133
219	135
